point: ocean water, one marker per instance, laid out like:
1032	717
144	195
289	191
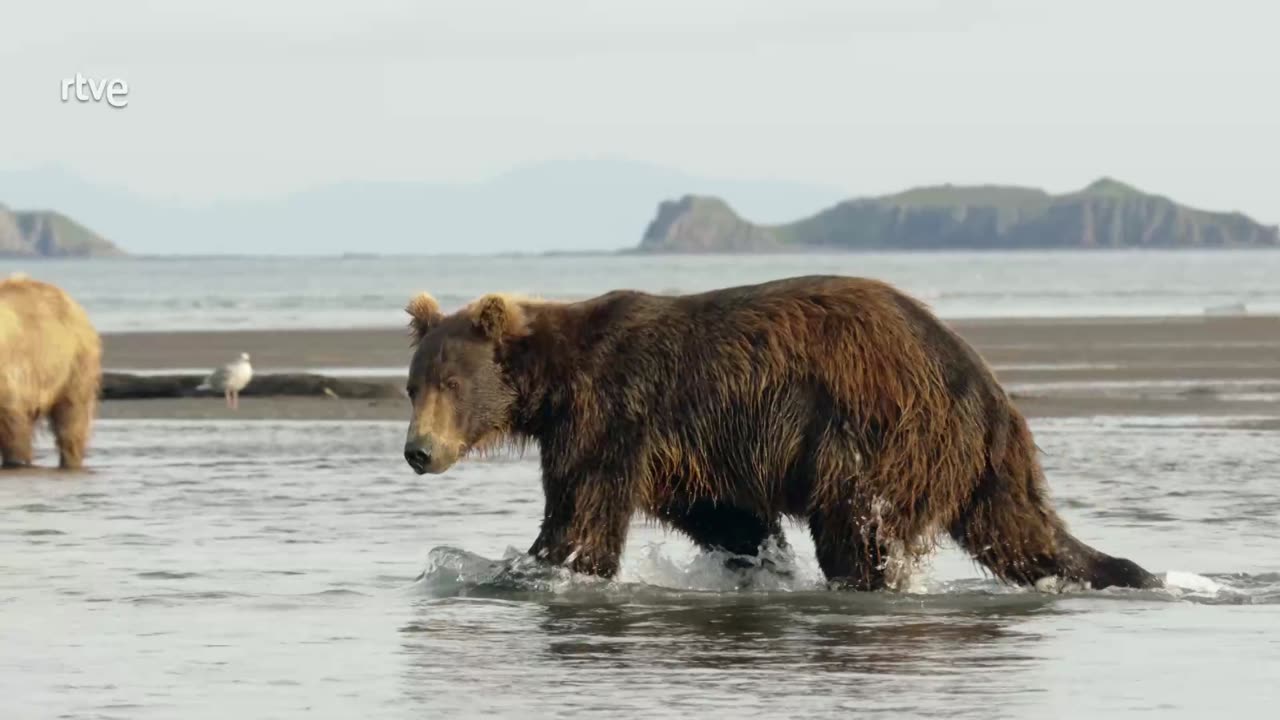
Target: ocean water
289	569
272	569
240	293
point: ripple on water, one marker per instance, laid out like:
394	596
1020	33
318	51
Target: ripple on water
40	507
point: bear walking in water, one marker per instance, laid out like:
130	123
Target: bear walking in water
50	366
837	401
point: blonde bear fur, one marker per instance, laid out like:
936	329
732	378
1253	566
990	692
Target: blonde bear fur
50	366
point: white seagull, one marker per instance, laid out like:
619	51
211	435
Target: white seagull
230	379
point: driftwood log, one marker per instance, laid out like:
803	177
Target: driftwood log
124	386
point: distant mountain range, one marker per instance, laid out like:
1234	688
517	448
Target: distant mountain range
595	205
1106	214
40	233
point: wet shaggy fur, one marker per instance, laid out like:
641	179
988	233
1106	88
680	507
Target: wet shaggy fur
837	401
50	366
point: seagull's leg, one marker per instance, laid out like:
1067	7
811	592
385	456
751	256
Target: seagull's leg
226	394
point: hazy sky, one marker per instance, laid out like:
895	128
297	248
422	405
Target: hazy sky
238	98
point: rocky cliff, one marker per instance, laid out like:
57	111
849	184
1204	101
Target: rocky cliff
704	224
1106	214
48	234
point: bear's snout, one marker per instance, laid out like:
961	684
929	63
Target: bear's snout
428	455
418	457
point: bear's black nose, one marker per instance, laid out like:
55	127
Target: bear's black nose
419	458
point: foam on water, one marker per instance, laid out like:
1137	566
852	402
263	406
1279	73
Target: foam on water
452	572
651	573
1191	583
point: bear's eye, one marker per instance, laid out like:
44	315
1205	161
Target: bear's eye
452	384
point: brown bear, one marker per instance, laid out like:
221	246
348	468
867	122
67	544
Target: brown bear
50	365
837	401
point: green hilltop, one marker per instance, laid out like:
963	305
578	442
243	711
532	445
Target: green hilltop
1105	214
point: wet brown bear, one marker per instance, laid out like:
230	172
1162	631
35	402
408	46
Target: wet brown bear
838	401
50	365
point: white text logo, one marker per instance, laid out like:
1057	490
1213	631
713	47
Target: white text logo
115	91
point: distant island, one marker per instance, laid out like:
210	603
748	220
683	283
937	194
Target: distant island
1106	214
41	233
571	208
593	204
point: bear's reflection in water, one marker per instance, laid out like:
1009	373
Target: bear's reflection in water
779	649
725	635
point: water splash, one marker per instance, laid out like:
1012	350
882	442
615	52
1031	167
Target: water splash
453	572
652	573
1223	588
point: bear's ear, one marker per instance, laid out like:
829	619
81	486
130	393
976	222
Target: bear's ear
424	314
497	317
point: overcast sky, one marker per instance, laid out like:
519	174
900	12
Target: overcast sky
241	98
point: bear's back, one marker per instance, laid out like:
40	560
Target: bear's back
856	336
870	301
44	337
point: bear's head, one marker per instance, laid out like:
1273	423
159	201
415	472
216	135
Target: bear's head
461	399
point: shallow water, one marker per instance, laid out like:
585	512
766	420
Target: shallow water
290	569
224	293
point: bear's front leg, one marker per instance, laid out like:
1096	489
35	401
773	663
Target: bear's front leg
16	449
584	527
550	545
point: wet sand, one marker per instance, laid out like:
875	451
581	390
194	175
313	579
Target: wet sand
1210	366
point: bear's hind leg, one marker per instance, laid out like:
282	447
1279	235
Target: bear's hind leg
70	419
1011	529
849	553
1100	569
15	440
843	520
